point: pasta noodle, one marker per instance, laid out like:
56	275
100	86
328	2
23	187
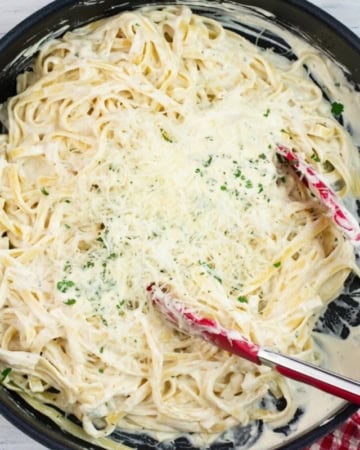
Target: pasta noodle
141	148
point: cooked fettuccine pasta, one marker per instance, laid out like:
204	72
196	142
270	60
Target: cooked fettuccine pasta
142	148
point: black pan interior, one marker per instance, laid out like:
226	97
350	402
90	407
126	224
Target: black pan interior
297	15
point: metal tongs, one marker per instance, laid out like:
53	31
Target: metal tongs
192	323
189	322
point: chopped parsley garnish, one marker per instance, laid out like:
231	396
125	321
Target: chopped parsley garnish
267	112
261	188
166	136
223	187
277	264
44	191
210	267
315	157
328	167
242	299
88	264
337	108
101	349
102	241
101	370
248	184
67	267
208	161
197	170
237	173
5	373
64	285
285	132
262	156
70	302
120	304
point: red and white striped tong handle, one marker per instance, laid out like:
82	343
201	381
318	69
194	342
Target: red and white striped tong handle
340	215
191	323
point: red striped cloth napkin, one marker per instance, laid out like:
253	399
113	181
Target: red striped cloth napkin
345	437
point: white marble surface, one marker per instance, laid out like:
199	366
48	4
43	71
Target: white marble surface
11	13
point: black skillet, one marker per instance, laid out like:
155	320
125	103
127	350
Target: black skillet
324	31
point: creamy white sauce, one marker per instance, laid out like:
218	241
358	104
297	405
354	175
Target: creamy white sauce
318	407
338	355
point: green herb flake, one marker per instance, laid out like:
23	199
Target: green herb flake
277	264
166	136
218	279
262	156
242	299
248	184
70	302
315	157
223	187
198	171
101	349
5	373
67	267
284	131
237	173
88	264
64	285
267	112
328	167
101	370
120	304
208	161
101	240
44	191
337	108
261	188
